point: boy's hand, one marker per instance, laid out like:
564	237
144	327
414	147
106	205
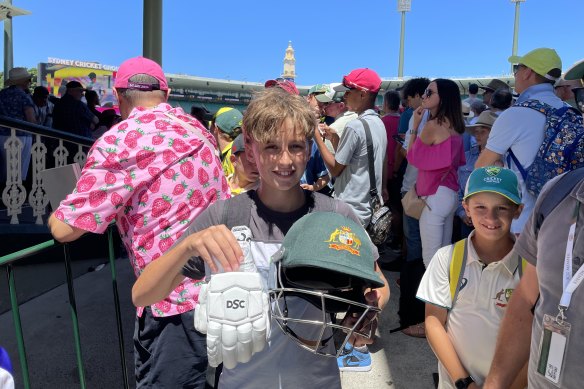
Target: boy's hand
216	245
369	323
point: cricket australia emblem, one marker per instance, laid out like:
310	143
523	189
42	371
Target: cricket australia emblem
344	239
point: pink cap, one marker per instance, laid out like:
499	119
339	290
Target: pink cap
140	65
287	85
364	79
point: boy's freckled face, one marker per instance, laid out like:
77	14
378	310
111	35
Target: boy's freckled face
491	214
282	161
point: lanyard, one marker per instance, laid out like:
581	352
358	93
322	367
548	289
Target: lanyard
570	283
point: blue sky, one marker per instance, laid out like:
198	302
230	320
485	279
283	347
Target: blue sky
246	40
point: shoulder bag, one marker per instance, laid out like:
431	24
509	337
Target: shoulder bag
379	228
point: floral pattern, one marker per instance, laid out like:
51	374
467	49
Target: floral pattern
153	177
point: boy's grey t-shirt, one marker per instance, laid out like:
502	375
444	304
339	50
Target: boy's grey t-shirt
283	363
352	185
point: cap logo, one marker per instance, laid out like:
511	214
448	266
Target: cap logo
142	87
343	239
492	180
493	171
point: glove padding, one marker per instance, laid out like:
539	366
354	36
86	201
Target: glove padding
233	311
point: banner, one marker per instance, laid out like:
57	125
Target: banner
93	76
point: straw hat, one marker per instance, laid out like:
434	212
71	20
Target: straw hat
16	75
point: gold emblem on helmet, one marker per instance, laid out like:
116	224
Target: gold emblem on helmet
343	239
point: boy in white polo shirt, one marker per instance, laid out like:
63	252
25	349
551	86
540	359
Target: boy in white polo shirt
467	285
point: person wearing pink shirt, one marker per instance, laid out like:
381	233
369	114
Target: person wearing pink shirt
152	174
437	153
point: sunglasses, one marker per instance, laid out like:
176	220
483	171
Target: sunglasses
428	93
517	67
351	85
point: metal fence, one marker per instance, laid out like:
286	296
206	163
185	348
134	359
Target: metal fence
46	148
9	260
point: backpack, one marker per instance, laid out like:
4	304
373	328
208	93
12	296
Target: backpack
458	265
556	195
562	149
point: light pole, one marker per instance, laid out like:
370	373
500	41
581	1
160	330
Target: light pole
516	25
7	12
152	30
403	6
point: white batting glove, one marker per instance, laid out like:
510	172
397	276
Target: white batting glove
233	311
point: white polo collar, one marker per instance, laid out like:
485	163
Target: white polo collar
509	261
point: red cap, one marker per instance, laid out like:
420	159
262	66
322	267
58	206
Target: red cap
363	79
287	85
140	65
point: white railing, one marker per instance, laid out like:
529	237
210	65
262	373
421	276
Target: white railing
15	193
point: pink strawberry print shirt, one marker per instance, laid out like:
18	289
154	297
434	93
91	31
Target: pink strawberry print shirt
153	177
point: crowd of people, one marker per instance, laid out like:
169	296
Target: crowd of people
74	112
471	232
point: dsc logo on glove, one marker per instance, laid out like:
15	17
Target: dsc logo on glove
235	304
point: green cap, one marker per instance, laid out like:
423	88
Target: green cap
318	88
329	243
494	179
228	120
576	72
545	62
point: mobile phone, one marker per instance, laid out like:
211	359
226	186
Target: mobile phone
398	139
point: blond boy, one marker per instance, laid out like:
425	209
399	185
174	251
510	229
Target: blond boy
463	318
278	127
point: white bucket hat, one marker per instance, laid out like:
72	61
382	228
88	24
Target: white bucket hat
17	74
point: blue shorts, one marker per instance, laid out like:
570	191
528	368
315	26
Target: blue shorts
169	352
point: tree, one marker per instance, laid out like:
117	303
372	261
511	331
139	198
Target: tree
33	72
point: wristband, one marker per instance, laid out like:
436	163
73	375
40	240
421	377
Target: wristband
464	383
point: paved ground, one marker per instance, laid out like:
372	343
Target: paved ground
399	361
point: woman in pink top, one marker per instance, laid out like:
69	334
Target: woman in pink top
437	153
